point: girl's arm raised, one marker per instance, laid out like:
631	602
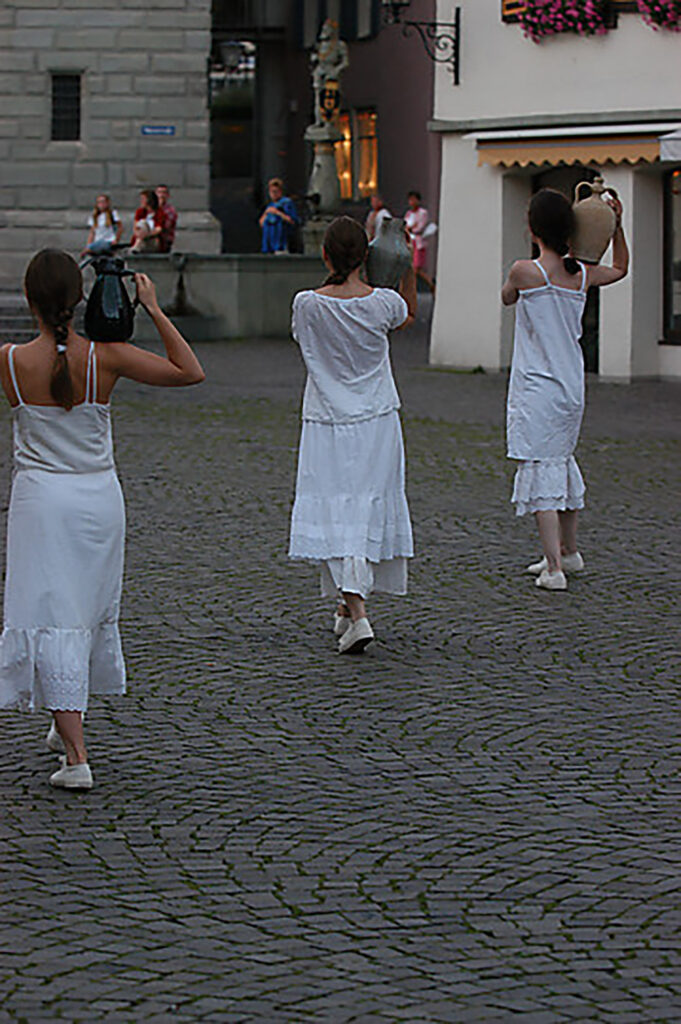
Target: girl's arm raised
600	276
180	366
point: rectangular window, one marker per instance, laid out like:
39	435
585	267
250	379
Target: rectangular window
672	262
367	171
510	9
357	154
65	107
343	150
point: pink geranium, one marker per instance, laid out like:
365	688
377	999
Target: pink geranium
661	13
541	18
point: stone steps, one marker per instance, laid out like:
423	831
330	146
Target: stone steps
16	322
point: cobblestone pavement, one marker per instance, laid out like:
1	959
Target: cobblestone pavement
476	821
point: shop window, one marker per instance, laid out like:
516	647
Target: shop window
672	268
65	108
344	156
367	144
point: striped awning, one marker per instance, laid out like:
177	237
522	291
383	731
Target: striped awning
614	144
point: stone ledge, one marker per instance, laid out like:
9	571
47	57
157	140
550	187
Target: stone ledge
232	295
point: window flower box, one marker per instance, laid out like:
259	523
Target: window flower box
661	13
542	18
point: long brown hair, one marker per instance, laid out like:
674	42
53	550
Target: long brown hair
54	286
108	212
346	246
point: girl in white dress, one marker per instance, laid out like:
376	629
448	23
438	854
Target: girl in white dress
350	512
66	522
546	390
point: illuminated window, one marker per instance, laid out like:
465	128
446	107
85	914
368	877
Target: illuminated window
367	171
357	154
344	156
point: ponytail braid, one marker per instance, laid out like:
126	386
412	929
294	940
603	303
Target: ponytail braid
61	383
54	287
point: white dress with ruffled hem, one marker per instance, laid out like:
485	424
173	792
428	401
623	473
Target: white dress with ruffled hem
65	550
546	397
350	512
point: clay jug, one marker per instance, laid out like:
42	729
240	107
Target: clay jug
389	255
595	220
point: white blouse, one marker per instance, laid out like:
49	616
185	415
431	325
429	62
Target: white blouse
344	343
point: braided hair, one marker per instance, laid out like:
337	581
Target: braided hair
54	287
345	247
552	220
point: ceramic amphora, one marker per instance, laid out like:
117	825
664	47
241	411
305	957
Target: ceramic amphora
596	221
389	255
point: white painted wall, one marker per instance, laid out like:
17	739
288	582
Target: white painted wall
503	74
616	301
467	318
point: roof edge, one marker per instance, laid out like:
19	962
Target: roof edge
577	120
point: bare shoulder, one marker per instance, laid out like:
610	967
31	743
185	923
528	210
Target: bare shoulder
525	274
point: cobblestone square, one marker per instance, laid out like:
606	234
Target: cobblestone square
477	820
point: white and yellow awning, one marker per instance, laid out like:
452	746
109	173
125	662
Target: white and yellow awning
616	144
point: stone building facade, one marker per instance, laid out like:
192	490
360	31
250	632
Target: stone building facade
128	79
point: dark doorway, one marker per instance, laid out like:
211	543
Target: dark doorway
565	179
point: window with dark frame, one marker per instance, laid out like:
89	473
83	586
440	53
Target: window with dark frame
65	107
672	258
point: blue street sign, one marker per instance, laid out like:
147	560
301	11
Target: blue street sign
158	129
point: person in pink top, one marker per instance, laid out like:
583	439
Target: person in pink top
416	218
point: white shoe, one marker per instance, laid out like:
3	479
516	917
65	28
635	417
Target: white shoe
341	624
53	740
72	776
356	637
551	580
570	563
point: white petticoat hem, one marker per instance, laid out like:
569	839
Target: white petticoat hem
361	577
59	668
545	485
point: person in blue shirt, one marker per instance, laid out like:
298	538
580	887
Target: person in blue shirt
278	219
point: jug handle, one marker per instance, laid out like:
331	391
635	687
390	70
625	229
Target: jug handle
578	189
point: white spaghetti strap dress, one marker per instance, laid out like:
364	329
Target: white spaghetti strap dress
546	397
65	545
350	512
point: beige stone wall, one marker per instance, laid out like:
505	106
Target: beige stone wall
143	62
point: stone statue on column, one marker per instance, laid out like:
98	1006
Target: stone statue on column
328	60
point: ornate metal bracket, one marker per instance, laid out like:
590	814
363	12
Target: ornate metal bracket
441	40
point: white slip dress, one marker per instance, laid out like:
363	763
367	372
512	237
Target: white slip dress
65	550
546	397
350	513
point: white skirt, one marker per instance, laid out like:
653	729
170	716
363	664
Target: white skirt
351	502
65	545
544	485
